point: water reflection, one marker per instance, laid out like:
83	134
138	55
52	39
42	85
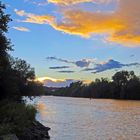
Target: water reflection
84	119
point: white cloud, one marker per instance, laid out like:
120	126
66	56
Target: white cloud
52	82
23	29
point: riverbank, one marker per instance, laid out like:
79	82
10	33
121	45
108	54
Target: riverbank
36	131
17	121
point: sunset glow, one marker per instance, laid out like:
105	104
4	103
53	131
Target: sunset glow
76	39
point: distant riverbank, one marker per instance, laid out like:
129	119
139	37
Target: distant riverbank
124	85
52	95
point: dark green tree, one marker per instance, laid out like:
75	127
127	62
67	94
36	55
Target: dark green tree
5	46
15	74
124	85
22	74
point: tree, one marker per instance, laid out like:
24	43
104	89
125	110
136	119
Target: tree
121	78
5	46
124	85
121	81
15	74
22	69
22	72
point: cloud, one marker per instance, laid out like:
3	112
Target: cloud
121	25
80	63
37	2
20	12
23	29
41	79
69	2
66	71
58	59
132	55
72	2
98	66
108	65
84	62
52	82
33	18
59	67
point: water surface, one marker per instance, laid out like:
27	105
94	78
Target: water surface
85	119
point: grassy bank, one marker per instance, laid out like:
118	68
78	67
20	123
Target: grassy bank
15	117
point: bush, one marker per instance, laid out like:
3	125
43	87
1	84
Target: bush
15	117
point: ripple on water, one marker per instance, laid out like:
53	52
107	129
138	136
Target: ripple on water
84	119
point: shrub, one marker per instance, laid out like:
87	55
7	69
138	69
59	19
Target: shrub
15	117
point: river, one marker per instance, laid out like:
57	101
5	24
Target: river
85	119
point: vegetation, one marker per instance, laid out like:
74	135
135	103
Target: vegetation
124	85
15	117
16	75
16	80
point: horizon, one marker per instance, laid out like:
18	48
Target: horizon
54	37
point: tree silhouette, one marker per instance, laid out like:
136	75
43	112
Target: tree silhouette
16	75
124	85
5	46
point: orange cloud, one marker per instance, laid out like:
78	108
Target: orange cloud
121	26
38	19
95	23
23	29
69	2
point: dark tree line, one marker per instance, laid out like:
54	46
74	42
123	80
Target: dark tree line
16	80
123	85
16	75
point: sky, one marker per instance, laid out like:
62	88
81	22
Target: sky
70	40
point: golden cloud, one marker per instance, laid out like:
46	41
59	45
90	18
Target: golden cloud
71	2
121	26
38	19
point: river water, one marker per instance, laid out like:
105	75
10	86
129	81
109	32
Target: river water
85	119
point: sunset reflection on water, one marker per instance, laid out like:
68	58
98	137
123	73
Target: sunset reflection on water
85	119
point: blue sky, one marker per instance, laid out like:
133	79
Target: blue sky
91	33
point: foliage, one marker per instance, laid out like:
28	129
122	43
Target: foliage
16	80
34	88
15	117
5	46
124	85
16	75
23	74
